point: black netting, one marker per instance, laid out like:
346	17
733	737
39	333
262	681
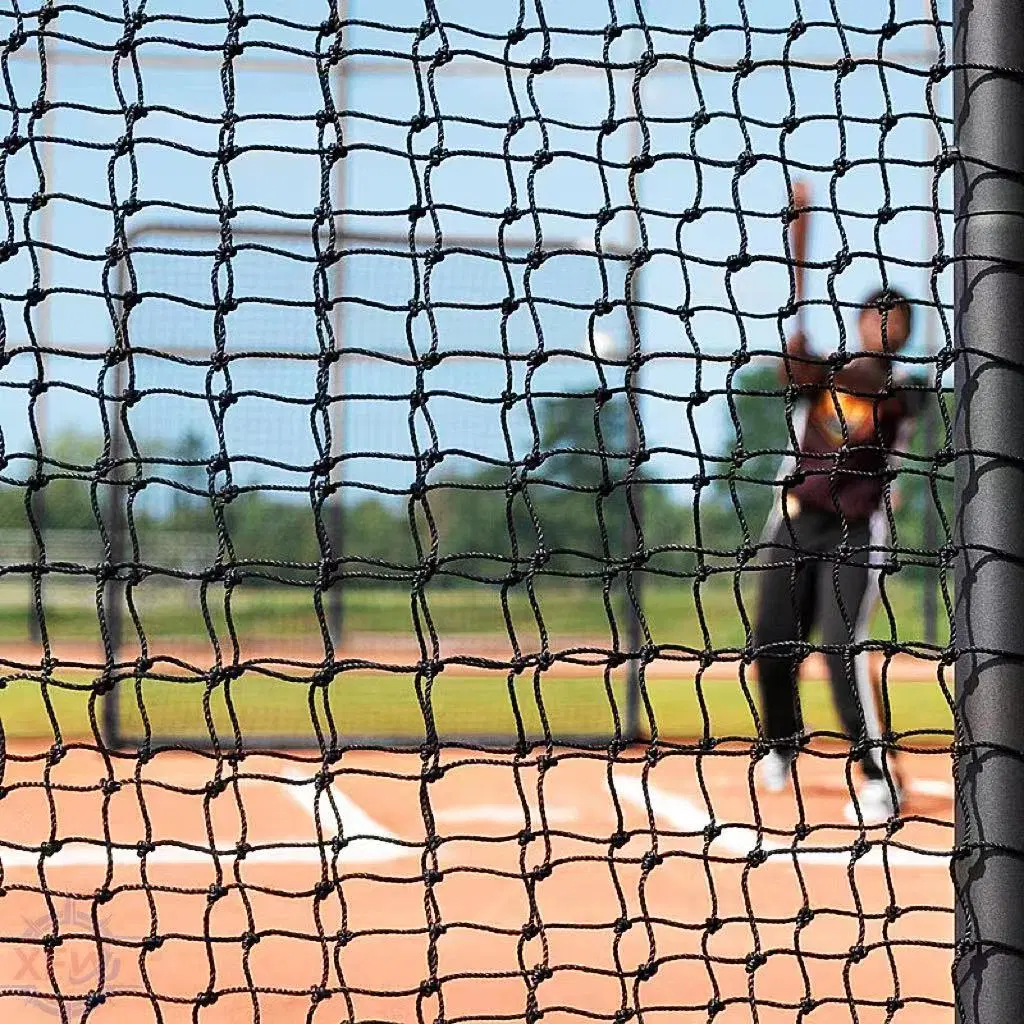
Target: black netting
435	439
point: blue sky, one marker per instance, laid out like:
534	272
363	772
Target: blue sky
468	189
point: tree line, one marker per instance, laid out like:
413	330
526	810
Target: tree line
574	513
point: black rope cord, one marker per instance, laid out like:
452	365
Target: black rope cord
391	409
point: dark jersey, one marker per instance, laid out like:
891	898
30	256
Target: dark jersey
854	416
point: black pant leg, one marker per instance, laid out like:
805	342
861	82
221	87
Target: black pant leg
845	598
784	618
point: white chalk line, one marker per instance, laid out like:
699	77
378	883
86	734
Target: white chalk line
367	841
505	814
738	840
370	842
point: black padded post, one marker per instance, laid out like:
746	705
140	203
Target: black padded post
988	870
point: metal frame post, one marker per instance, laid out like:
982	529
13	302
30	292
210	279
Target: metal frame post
988	865
930	418
336	413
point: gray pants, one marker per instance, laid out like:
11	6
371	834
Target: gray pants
805	582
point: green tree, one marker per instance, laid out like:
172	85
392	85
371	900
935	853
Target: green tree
756	440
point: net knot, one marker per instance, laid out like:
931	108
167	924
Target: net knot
846	65
94	999
857	953
50	847
842	261
542	158
206	998
755	960
647	971
860	848
151	943
641	162
516	35
639	257
804	916
746	161
651	859
701	31
541	64
715	1007
319	994
609	125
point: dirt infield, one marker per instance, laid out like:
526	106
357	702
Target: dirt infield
563	889
571	655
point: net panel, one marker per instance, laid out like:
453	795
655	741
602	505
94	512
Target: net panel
399	422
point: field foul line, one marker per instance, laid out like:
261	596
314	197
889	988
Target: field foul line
505	814
738	840
373	843
370	842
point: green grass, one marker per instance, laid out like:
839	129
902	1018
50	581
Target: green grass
674	614
375	704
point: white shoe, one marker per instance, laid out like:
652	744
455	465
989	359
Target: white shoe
774	770
875	801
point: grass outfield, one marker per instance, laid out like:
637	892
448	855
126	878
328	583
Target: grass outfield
673	613
374	705
369	704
